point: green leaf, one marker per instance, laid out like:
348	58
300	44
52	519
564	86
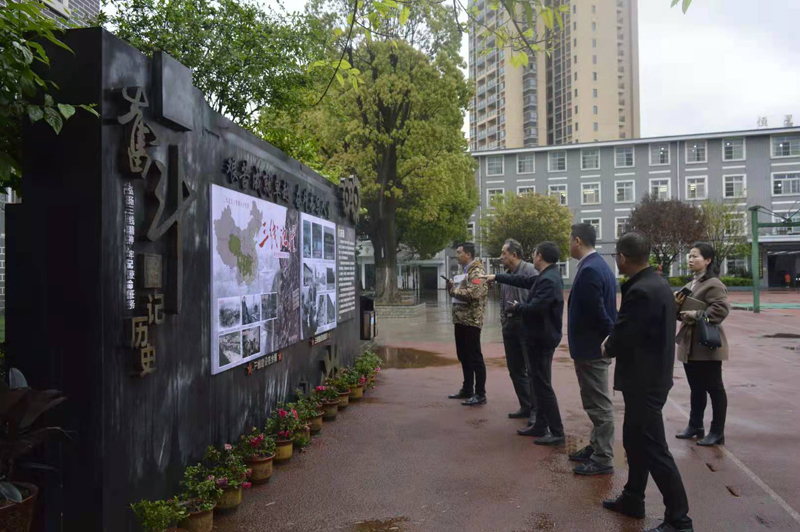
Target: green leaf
674	3
90	109
494	6
53	119
66	110
564	8
338	31
349	19
390	3
8	166
686	4
560	19
528	33
40	50
35	113
547	15
340	78
523	59
10	492
345	64
27	55
355	72
404	14
354	82
48	100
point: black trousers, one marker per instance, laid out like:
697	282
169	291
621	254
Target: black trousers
517	347
646	446
540	361
705	378
468	349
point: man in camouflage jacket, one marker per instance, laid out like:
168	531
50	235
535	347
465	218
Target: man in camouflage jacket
469	302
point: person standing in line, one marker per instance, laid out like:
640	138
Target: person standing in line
515	341
542	312
592	310
469	294
703	364
642	341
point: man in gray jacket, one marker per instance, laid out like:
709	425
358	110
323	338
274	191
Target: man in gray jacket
513	337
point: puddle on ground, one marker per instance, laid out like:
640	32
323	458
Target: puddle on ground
404	358
782	335
574	444
395	523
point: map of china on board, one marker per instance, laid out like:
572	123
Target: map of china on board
255	283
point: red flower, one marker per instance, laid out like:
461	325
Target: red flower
295	413
320	388
247	485
282	413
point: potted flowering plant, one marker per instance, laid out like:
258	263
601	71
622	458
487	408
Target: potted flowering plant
200	495
230	474
356	383
330	401
342	385
157	516
301	436
283	422
310	410
257	451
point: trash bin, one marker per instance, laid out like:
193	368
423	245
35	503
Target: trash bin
369	323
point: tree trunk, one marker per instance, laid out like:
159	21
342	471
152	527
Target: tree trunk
384	243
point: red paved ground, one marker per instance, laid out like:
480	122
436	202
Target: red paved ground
408	458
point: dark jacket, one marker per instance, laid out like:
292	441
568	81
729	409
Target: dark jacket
642	340
592	308
543	309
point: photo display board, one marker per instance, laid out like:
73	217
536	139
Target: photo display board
250	246
318	274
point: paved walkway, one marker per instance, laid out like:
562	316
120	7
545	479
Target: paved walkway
409	459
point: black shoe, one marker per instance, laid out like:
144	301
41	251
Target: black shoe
582	455
590	468
475	400
536	432
462	394
519	414
666	527
625	505
551	440
691	432
713	438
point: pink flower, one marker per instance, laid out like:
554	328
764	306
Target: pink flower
282	413
295	413
378	368
320	388
222	481
363	380
249	472
228	446
210	477
247	485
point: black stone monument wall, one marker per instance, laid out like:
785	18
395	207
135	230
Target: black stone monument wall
68	327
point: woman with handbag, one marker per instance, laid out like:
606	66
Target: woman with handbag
702	345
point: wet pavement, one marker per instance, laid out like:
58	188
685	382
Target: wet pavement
408	459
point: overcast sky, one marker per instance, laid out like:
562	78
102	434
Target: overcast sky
717	68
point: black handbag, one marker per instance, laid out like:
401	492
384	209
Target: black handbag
707	332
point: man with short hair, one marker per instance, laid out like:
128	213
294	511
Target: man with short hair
592	310
468	294
643	342
514	338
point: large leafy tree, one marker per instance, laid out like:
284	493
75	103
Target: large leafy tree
671	224
528	218
397	126
243	58
725	228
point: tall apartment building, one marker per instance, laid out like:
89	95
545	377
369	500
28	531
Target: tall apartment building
586	90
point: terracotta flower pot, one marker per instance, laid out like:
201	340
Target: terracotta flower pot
330	409
230	500
316	422
261	469
198	522
18	516
357	392
283	450
344	399
307	432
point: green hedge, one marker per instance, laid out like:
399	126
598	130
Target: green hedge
685	279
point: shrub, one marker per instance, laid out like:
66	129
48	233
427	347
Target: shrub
200	489
156	516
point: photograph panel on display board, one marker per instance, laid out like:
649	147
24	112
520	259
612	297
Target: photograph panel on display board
256	267
318	296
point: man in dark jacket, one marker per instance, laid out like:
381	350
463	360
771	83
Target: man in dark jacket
541	314
643	342
592	312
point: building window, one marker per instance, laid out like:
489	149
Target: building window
563	268
594	26
734	186
590	194
576	109
595	126
560	191
696	151
733	150
736	266
526	163
576	129
594	59
594	43
736	224
623	157
59	6
594	9
576	93
494	165
786	184
471	231
786	230
660	188
576	76
494	195
621	226
659	154
594	76
590	159
786	146
526	190
594	109
696	188
625	191
594	92
594	222
557	161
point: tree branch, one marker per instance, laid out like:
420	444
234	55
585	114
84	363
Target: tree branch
344	50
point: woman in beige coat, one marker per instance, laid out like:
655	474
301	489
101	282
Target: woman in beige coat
703	364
